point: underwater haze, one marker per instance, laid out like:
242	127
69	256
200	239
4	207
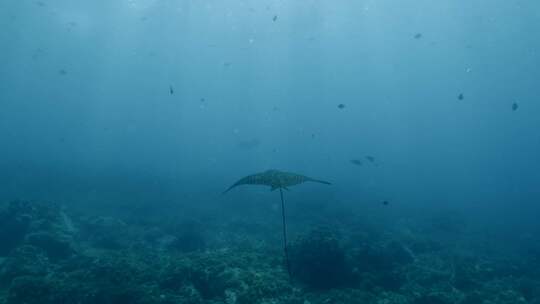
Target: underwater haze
406	136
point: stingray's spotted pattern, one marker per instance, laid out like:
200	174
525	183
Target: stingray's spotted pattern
275	179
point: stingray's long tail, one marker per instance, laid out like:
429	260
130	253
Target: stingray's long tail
285	235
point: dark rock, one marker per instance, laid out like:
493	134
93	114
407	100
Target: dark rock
188	242
385	257
55	247
29	290
12	231
319	261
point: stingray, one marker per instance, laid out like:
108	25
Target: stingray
277	180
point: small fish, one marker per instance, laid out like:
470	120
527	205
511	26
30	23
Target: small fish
62	72
275	18
202	99
341	106
418	36
461	96
370	158
356	162
385	203
515	106
171	90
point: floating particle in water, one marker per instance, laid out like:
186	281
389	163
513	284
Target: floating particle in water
418	36
341	106
71	25
62	72
171	90
202	99
461	96
515	106
39	52
386	203
275	18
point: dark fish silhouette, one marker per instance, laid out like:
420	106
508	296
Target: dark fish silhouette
275	18
171	90
386	203
370	158
341	106
460	96
515	106
356	162
418	36
275	179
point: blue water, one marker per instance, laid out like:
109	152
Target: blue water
150	109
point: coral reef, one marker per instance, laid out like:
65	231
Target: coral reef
50	256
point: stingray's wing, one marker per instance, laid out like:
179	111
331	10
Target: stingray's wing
309	179
254	179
